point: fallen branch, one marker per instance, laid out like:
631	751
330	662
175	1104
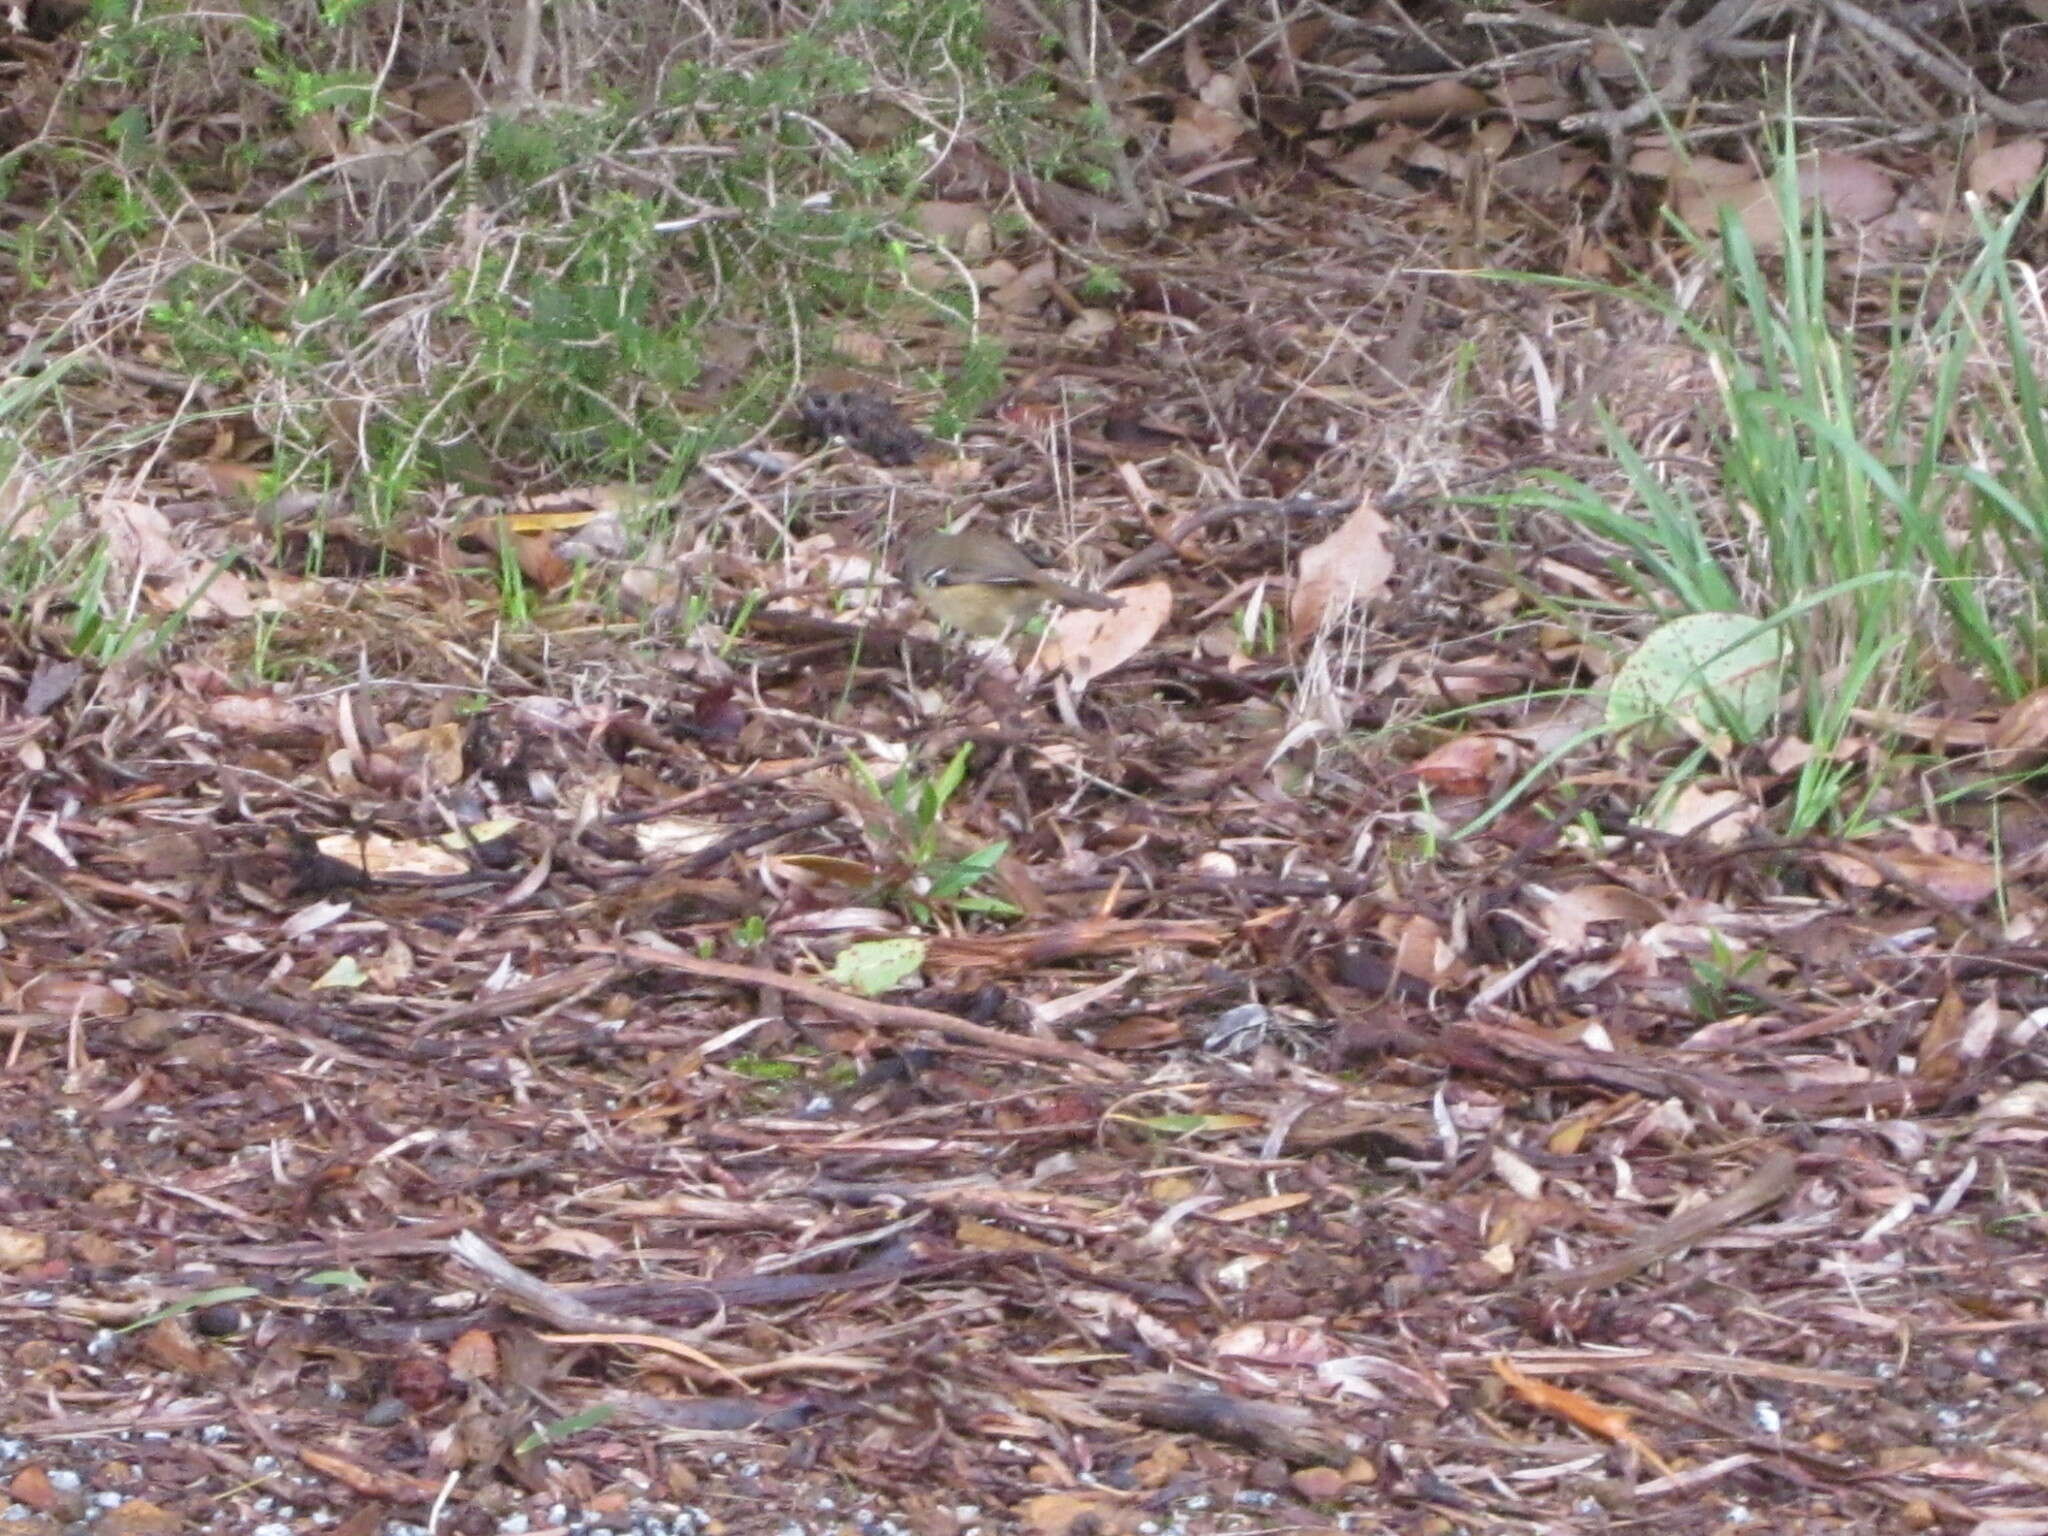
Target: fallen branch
865	1010
1769	1184
1286	1430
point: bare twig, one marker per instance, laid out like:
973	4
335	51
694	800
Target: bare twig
1944	71
1771	1182
862	1010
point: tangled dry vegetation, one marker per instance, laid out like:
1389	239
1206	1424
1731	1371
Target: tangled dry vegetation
539	994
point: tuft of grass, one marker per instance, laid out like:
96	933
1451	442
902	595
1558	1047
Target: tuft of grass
911	828
1885	505
625	260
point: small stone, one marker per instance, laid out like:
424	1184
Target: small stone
218	1322
385	1412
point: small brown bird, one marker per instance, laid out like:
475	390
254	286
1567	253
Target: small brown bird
984	584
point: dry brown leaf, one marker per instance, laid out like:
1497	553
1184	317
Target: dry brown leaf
1277	1344
223	477
1947	731
440	103
1024	293
1265	1205
72	997
138	537
964	227
266	715
1433	102
208	592
2022	730
376	854
373	1482
1073	1514
1534	98
1960	880
1352	566
473	1356
1752	204
1661	160
580	1241
1086	643
1422	951
985	1238
1145	1032
1727	815
434	753
1937	1060
1549	170
2005	171
20	1248
1850	189
1568	917
1205	126
1462	766
859	346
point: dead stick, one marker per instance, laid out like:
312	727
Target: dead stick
1771	1181
863	1010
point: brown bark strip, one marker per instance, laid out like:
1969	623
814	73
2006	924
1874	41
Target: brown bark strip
864	1010
1771	1181
1561	1062
1066	941
538	993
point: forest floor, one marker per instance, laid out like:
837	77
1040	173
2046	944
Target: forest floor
708	1053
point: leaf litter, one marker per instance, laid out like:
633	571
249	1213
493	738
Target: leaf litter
458	1071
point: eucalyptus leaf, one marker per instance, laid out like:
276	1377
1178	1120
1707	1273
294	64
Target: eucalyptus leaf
875	966
1707	674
